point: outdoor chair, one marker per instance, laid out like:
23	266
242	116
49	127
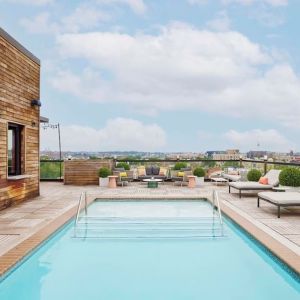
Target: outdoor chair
123	180
236	175
182	180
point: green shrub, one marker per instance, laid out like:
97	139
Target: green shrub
254	175
123	165
199	172
104	172
180	165
290	177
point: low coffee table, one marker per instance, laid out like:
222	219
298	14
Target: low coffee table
152	183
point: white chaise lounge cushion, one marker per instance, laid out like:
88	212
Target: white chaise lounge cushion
273	177
287	198
232	177
249	185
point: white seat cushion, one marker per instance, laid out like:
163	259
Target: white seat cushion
287	198
248	185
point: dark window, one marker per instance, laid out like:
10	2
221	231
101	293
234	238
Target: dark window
14	149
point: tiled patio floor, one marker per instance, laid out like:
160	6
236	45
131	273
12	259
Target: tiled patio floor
24	226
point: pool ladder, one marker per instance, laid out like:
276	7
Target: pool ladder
98	227
83	197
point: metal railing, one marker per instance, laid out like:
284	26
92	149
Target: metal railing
216	204
52	170
83	196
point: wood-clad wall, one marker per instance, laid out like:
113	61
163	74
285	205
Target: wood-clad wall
84	172
19	85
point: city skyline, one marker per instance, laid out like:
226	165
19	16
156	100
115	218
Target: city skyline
162	75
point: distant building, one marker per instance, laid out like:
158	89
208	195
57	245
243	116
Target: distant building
211	153
257	154
230	154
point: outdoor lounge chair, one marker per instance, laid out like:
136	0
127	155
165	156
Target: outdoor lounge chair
182	180
280	199
236	175
178	179
273	180
231	177
123	180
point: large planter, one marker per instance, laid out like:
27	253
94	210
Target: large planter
103	182
199	181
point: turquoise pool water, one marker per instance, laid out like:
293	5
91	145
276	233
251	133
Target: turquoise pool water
231	267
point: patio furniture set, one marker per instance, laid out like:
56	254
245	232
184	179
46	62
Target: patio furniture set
269	191
153	175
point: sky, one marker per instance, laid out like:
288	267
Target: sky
173	75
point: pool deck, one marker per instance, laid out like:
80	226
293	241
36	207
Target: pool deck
27	225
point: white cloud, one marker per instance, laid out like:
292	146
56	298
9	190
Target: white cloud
30	2
251	2
138	6
270	140
40	24
267	17
220	23
118	134
84	17
182	68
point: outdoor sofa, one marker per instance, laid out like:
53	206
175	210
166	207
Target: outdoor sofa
280	199
273	180
152	172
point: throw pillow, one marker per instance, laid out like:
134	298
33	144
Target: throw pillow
263	180
141	171
163	172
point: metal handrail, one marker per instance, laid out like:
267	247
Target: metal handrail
216	199
82	196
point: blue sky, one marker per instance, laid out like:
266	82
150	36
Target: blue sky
189	75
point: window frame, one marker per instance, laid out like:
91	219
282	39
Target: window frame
17	141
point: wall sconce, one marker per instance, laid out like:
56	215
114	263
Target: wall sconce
36	103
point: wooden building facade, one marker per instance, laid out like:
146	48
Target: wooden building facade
19	122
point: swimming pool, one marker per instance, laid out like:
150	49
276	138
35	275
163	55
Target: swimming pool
230	267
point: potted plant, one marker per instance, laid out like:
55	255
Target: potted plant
290	177
103	176
254	175
199	173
